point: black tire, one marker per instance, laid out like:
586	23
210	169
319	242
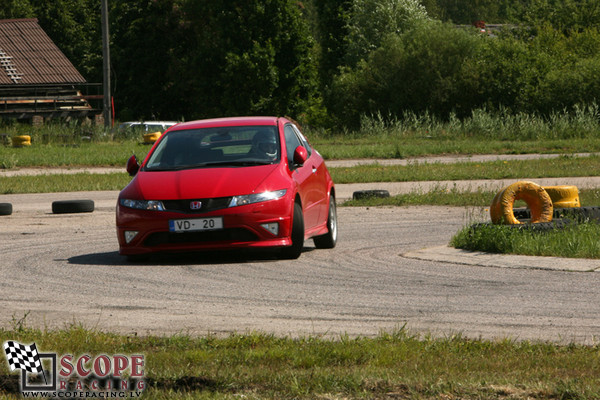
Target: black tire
578	213
293	252
6	208
367	194
522	213
137	258
329	240
72	206
556	224
537	227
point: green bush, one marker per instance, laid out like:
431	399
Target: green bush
440	70
413	72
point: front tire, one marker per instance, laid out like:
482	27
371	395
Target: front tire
137	258
329	240
293	252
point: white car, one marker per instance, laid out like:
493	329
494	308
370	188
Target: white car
147	126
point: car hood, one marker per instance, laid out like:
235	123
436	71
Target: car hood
202	183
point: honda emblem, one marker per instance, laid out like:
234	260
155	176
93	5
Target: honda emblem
195	205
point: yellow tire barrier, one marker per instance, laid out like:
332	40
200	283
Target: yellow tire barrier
152	137
538	201
22	140
564	196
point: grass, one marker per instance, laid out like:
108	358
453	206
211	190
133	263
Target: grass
63	183
377	137
115	153
562	166
396	365
439	196
74	152
71	155
340	147
482	133
451	196
577	241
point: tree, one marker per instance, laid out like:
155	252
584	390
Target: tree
566	15
74	26
371	21
146	34
189	59
333	18
12	9
414	72
247	57
469	11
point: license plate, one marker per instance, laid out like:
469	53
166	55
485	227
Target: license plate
196	224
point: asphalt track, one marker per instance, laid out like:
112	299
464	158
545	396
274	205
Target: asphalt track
390	269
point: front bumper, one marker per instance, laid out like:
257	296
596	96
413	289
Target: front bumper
241	229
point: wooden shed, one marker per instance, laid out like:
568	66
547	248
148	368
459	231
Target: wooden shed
37	81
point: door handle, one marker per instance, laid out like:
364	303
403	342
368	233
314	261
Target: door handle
314	170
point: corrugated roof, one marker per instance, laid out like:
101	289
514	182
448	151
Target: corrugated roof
28	56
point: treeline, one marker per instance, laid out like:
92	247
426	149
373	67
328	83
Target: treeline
563	14
329	62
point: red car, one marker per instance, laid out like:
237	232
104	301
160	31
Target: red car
248	182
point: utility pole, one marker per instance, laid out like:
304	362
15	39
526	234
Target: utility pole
107	97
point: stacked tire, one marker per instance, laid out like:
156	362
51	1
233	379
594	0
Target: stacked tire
538	201
150	138
564	196
21	141
566	203
580	214
550	207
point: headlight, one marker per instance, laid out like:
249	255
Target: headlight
256	198
152	205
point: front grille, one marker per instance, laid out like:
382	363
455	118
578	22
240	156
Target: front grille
208	205
231	234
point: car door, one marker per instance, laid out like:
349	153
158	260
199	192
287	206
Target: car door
318	168
305	176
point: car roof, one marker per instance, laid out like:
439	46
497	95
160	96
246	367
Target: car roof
231	121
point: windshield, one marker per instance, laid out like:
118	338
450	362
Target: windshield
197	148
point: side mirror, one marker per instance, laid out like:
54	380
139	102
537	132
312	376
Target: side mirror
300	156
132	166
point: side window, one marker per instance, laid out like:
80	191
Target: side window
303	140
291	142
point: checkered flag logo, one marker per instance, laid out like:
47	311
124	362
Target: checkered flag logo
22	357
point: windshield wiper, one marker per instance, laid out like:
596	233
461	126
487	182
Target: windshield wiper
159	169
240	163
